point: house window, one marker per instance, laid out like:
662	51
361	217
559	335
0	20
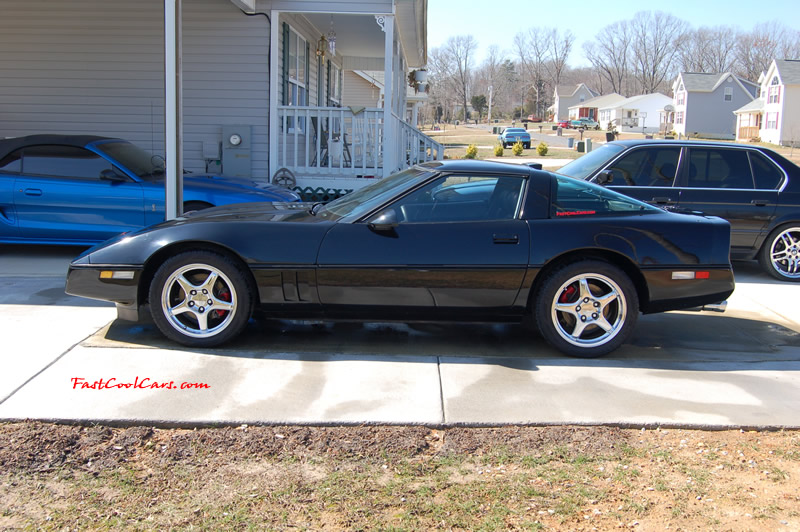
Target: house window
336	84
680	98
679	117
298	58
772	121
774	94
728	94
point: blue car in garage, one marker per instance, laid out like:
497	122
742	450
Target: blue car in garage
81	189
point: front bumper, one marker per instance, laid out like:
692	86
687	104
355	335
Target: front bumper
84	281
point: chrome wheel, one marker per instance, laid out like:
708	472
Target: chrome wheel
784	253
199	300
589	310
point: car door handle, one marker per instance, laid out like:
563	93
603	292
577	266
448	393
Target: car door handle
505	239
760	202
33	192
663	200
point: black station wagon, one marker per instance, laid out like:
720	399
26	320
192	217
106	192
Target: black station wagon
754	188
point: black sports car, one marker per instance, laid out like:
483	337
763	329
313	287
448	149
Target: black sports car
452	241
754	188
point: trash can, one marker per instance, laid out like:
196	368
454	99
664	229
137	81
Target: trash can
555	127
609	136
570	142
558	132
588	145
582	146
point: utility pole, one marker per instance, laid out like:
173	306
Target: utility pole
491	88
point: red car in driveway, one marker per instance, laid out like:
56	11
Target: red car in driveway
564	124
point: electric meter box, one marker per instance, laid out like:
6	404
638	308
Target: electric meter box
237	151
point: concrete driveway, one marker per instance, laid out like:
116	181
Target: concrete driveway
738	369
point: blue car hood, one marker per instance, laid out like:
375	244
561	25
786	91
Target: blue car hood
220	182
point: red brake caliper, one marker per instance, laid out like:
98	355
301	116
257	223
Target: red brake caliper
567	294
225	296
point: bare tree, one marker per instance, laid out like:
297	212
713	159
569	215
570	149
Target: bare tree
560	47
460	51
533	52
767	41
655	38
610	54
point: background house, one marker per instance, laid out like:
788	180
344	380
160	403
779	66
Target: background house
704	103
566	96
273	75
590	107
638	113
775	116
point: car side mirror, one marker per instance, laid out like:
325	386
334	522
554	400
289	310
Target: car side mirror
605	177
110	174
535	166
385	222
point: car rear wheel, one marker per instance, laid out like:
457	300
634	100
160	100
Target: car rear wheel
587	309
780	255
200	299
527	145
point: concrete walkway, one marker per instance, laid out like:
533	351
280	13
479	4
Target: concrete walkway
738	369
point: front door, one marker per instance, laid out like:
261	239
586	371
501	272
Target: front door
457	246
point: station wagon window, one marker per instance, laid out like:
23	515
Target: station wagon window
647	167
766	174
11	163
459	198
719	168
63	161
572	197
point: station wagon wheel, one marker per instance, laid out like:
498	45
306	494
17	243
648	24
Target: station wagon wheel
587	309
200	299
780	255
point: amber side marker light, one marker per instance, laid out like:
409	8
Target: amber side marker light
108	274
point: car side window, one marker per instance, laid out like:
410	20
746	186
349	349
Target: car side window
766	174
63	161
647	167
572	197
11	163
457	198
719	168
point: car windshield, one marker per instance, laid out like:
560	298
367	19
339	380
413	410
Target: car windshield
364	200
143	164
583	167
515	130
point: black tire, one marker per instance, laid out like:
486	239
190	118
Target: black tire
780	254
184	282
607	304
527	145
190	206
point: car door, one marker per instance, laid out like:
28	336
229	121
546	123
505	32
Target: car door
10	166
61	196
718	181
648	174
455	244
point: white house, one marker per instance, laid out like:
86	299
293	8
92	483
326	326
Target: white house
565	96
775	116
269	70
704	103
589	108
638	113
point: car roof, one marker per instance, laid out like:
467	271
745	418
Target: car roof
467	165
644	142
11	144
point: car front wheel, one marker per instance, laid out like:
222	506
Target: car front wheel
587	309
200	299
780	255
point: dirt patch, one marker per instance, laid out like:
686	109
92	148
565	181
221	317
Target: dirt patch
561	477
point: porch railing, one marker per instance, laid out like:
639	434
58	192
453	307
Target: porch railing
347	142
749	132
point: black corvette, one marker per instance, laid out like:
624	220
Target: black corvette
451	241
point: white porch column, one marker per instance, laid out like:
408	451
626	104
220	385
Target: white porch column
173	107
389	131
274	76
415	114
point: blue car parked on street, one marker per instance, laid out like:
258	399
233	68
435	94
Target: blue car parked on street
512	135
81	189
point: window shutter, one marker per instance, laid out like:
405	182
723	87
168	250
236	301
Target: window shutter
328	86
285	69
308	79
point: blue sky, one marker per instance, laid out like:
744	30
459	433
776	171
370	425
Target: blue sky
494	22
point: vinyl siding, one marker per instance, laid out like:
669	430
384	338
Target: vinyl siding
359	92
93	66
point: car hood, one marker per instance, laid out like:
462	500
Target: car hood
221	183
263	212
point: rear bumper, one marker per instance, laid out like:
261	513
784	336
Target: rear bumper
667	293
